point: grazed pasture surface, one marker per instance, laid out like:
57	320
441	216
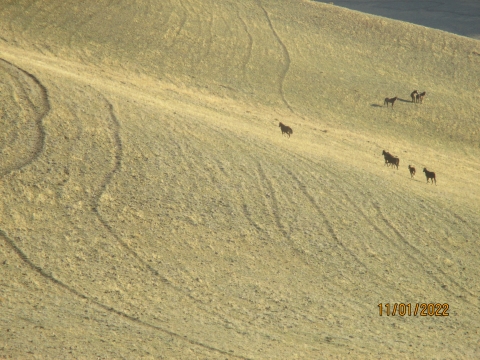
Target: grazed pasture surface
151	208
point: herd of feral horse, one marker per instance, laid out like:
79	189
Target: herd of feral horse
415	95
389	158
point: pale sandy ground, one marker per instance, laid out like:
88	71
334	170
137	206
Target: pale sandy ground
460	17
150	207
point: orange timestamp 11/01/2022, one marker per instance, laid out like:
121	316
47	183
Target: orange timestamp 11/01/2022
423	309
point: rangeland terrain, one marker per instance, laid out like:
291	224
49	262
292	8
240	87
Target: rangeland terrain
151	208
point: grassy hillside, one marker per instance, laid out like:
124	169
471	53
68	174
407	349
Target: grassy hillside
151	208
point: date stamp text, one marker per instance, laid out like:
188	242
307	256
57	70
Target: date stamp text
417	309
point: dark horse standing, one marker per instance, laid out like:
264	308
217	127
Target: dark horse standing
390	159
412	171
391	101
430	175
413	95
286	129
421	96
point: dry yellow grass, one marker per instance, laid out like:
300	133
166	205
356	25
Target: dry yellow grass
151	208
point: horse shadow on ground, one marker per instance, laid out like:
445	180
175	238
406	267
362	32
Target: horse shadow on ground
398	99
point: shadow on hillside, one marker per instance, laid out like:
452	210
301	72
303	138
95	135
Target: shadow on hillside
398	99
